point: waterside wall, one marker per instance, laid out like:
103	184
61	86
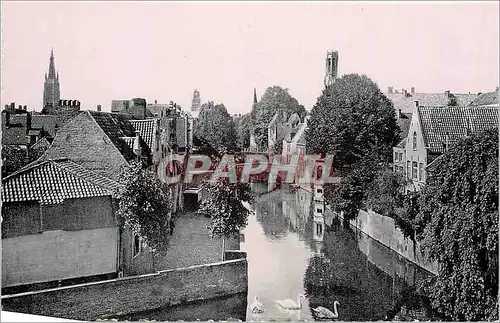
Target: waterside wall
134	294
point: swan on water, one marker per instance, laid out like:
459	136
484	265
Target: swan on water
257	307
289	304
324	313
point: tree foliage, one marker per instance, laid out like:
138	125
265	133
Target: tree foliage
223	205
13	158
145	207
216	127
460	208
275	99
353	120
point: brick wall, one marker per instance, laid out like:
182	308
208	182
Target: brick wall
134	294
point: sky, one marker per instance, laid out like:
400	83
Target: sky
164	50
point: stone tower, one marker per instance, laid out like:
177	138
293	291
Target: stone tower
331	64
196	103
51	93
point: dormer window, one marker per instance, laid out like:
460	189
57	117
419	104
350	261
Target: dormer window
415	141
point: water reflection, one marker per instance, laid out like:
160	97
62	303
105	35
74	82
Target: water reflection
294	245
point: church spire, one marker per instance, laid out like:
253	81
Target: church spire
254	96
52	68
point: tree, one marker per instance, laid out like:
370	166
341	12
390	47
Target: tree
244	130
460	205
216	127
13	158
223	205
145	207
354	121
275	99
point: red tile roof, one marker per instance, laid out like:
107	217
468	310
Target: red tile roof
456	122
53	181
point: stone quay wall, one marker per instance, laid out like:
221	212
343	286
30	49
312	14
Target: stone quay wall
134	294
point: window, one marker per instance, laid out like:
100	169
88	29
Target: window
396	155
319	190
137	245
414	141
401	156
319	172
319	210
408	169
414	170
319	229
421	172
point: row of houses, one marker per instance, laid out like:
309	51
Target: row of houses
59	223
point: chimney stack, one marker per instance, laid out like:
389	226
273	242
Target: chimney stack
447	92
416	103
13	106
25	108
412	90
156	102
390	89
99	107
399	113
405	93
137	144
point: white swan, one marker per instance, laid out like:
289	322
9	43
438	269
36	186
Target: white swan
288	304
257	307
324	313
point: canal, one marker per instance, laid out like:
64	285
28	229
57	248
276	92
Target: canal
294	247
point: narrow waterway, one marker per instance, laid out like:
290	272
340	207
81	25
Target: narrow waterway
294	247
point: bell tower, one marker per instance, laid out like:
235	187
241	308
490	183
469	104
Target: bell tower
51	92
331	67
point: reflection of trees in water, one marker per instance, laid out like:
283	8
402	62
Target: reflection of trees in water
364	292
268	212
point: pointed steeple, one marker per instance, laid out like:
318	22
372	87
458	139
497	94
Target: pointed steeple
254	96
52	68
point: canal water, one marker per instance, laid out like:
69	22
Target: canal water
294	247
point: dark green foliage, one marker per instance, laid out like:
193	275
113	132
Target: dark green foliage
223	205
275	99
459	206
216	127
145	206
353	119
13	159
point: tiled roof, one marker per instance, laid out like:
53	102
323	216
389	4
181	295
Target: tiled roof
406	103
402	143
47	122
52	182
116	126
490	98
456	122
147	129
42	143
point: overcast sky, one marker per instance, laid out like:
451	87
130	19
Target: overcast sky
164	50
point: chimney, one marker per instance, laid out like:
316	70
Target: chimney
7	107
405	93
99	107
25	108
415	103
390	89
13	106
156	102
137	144
20	107
412	90
447	92
399	113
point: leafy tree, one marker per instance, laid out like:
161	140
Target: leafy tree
13	158
216	127
244	130
275	99
145	207
223	205
353	120
460	205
